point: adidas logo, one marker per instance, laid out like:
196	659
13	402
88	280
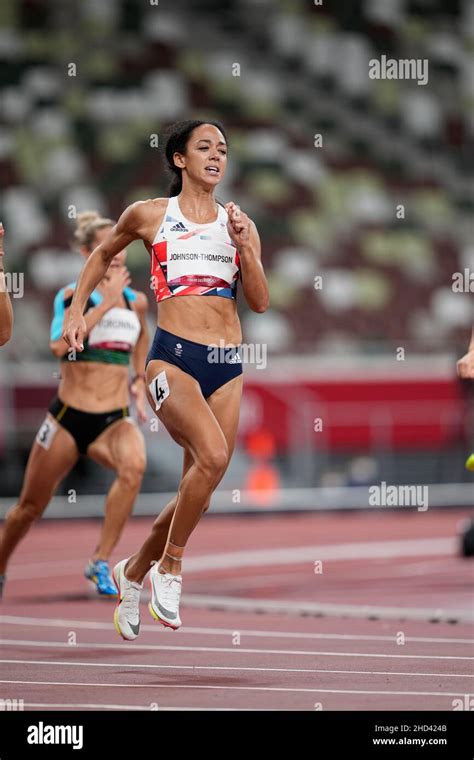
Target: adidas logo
179	227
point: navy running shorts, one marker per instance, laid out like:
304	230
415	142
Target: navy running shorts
210	365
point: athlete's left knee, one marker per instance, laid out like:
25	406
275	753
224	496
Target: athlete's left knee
131	472
208	503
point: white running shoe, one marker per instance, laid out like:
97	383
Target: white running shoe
127	612
165	594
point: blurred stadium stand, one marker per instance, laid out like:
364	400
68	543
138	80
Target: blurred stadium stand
83	86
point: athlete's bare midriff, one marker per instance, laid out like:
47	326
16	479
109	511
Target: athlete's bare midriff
202	319
93	386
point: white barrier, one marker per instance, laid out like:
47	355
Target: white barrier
258	502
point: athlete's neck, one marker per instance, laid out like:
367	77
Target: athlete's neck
198	203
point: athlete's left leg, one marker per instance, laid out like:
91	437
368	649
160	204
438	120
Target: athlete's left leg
225	405
122	448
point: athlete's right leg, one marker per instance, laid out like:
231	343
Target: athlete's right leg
44	471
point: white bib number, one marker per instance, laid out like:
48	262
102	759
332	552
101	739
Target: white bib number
46	433
159	389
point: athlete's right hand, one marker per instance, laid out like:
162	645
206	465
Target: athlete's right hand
113	285
75	330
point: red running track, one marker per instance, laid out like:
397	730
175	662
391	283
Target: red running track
347	601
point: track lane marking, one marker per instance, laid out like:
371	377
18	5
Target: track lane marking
221	687
146	708
135	666
236	649
97	625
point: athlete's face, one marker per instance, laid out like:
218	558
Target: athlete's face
205	159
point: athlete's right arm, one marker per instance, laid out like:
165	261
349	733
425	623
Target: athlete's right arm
129	227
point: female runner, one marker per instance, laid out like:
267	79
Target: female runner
198	251
90	415
6	311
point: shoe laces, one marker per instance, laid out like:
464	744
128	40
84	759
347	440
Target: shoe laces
170	590
131	597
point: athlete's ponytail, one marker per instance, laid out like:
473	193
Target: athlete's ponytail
177	137
87	224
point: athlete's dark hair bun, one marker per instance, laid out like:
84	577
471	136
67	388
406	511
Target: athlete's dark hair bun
176	140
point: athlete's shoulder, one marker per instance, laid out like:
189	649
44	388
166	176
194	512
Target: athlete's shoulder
143	209
158	203
140	214
66	292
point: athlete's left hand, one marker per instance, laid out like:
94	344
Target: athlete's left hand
137	389
238	225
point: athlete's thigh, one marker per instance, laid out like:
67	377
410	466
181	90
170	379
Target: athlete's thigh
183	411
122	442
53	455
225	405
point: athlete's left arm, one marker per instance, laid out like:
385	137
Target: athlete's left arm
137	388
244	234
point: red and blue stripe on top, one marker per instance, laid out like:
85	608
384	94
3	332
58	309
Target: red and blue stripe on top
193	259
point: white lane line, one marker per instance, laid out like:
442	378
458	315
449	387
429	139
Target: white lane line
96	625
147	708
83	706
221	687
382	549
138	666
236	649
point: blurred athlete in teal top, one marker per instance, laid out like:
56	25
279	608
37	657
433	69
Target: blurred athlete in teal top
89	416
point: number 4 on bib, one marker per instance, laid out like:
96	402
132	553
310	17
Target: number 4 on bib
159	389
